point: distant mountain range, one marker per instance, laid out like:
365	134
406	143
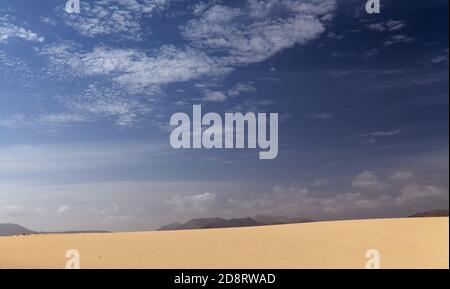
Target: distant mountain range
279	220
263	220
13	229
435	213
206	223
210	223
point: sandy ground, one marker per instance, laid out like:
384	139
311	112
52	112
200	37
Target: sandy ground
402	243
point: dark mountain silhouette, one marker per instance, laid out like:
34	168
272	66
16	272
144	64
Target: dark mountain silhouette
13	229
435	213
210	223
279	220
173	226
232	223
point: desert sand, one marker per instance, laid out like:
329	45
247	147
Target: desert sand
402	243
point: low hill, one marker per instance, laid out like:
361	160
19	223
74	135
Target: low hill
429	214
210	223
13	229
279	220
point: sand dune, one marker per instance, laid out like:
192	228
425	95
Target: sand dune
402	243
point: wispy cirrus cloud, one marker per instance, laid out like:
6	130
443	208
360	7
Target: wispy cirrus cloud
196	203
413	193
222	96
135	69
440	58
118	18
258	30
401	175
371	52
392	132
13	121
388	26
372	137
367	180
245	38
9	31
110	102
396	39
132	78
319	116
50	120
214	96
217	40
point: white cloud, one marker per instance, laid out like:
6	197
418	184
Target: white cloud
137	77
348	202
51	120
367	181
48	21
390	26
413	193
427	81
10	31
93	204
442	58
319	116
439	59
291	190
121	18
215	96
401	176
371	52
393	132
60	118
241	88
63	209
219	38
14	121
335	36
371	137
259	30
194	203
109	102
396	39
135	69
297	201
222	96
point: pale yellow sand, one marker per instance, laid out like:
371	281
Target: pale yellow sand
402	243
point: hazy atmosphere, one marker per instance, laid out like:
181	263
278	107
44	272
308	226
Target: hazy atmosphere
86	101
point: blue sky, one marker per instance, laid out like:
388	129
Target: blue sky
87	98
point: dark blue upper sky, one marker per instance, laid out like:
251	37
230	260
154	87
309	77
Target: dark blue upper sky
87	98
